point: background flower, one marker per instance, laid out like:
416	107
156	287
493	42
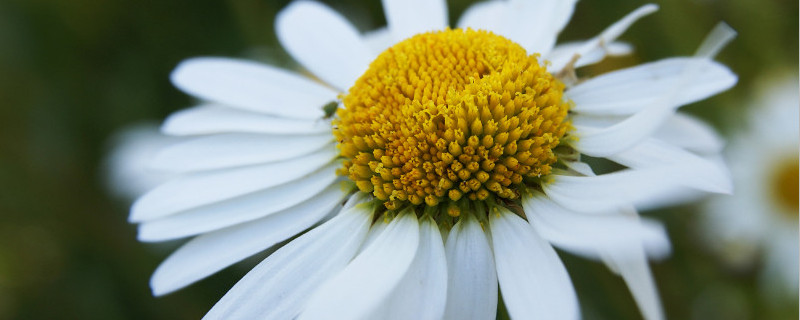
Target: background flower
757	228
127	171
75	71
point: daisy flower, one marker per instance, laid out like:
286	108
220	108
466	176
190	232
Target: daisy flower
426	170
763	215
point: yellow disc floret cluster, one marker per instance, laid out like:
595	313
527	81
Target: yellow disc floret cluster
450	115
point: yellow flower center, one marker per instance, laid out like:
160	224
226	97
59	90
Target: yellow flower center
784	185
449	115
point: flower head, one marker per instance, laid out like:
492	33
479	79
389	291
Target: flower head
451	114
763	217
456	154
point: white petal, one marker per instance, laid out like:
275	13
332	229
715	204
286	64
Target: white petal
580	167
533	280
561	55
622	135
607	192
370	278
252	86
636	273
532	24
471	275
694	171
237	210
631	131
540	22
374	231
716	40
406	18
693	134
126	168
213	251
679	196
211	118
596	122
485	15
378	40
324	42
423	290
203	188
278	287
588	235
236	149
633	89
613	31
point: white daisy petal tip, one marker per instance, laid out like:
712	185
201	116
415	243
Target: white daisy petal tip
243	208
636	89
191	191
610	191
252	86
616	29
589	235
195	190
136	215
227	246
647	9
595	49
618	238
125	168
229	150
691	133
214	119
657	244
716	40
636	273
157	290
709	174
651	112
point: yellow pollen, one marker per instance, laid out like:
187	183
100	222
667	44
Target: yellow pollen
448	115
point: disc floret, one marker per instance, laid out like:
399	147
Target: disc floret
450	115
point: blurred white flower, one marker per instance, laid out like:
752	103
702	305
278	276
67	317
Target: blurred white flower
127	172
760	220
460	156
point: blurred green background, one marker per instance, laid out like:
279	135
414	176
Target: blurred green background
72	73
